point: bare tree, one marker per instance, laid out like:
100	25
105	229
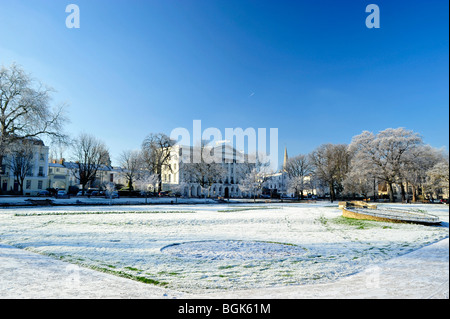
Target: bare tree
25	110
297	169
131	164
156	152
89	154
331	164
20	161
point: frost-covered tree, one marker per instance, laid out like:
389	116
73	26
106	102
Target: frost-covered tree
383	155
252	183
359	182
146	181
110	188
253	174
418	162
438	177
179	189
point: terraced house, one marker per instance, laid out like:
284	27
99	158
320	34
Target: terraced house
25	168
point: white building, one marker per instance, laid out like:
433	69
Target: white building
61	175
175	177
36	177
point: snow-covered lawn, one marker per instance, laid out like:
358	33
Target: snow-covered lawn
208	248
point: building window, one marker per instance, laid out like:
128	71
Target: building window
41	171
28	185
41	157
39	184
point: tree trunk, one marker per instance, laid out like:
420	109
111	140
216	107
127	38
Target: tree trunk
402	188
414	194
391	192
332	194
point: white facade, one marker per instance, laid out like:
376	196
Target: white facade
35	180
175	179
61	175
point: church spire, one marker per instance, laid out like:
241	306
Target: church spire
285	159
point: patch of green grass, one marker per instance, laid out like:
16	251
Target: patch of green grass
322	220
133	269
227	267
102	213
278	243
130	276
173	273
146	280
356	223
109	271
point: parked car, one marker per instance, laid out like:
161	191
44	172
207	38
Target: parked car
80	193
112	195
61	193
43	193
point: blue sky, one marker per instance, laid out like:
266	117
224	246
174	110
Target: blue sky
312	69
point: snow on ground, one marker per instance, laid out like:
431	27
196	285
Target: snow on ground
211	250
